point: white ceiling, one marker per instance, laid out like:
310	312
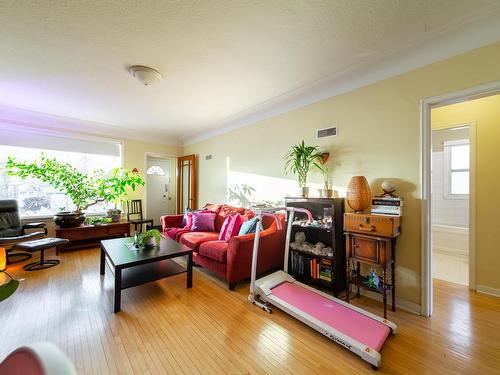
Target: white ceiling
222	61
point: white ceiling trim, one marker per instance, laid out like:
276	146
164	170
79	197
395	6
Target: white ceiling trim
42	123
473	35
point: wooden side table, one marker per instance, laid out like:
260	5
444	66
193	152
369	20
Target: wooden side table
371	239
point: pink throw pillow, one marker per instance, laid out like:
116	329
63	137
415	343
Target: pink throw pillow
189	221
233	228
223	229
203	222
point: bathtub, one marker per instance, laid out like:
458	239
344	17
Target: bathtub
450	240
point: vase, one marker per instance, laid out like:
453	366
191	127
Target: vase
325	193
359	195
304	191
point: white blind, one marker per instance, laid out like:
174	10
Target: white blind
22	138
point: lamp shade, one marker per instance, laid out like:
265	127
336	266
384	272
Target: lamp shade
3	259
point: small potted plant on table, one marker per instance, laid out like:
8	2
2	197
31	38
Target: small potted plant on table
148	239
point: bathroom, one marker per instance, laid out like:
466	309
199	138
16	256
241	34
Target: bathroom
450	204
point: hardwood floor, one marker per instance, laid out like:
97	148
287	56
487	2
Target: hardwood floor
165	328
454	269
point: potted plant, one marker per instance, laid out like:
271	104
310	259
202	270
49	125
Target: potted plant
116	190
327	192
148	239
83	190
299	160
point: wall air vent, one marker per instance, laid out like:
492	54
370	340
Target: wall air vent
328	132
208	157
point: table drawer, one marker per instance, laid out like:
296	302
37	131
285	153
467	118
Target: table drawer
377	225
370	249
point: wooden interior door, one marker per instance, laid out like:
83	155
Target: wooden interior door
186	183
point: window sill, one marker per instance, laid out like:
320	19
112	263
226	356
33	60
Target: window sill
47	217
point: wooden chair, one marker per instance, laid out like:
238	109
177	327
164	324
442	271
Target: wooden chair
134	216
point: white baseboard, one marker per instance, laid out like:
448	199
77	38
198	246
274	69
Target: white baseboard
411	307
487	290
450	251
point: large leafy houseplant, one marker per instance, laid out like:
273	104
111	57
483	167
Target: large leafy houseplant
300	159
84	190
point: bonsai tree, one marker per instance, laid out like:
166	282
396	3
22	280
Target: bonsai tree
83	190
300	159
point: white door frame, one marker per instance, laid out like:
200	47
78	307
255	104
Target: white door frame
426	106
160	156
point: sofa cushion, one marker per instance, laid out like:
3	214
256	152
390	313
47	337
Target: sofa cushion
227	210
223	230
248	226
233	227
216	250
193	240
203	221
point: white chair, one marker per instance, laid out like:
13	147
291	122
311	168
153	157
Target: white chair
41	358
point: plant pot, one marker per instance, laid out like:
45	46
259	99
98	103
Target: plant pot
303	191
114	214
69	219
359	195
325	193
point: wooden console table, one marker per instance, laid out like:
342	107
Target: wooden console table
85	236
371	239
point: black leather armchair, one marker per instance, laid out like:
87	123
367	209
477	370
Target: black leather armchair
12	231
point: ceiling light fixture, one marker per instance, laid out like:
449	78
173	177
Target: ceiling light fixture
144	74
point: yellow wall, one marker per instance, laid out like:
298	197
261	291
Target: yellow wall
378	137
485	114
134	156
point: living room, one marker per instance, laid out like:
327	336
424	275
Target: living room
199	102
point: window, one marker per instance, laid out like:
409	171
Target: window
37	198
156	169
456	179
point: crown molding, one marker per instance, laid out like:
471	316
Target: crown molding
37	122
478	33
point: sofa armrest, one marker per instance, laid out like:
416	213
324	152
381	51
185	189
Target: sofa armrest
240	249
36	226
170	221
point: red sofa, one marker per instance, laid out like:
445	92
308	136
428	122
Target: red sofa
231	260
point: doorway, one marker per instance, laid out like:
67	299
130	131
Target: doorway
450	176
486	170
160	187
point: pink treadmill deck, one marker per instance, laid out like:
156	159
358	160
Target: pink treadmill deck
345	320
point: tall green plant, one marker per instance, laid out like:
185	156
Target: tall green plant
300	159
83	190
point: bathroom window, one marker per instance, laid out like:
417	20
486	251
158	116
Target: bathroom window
456	179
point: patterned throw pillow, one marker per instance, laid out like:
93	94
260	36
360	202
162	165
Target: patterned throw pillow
233	227
203	221
223	230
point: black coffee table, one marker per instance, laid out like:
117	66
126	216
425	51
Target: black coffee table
135	267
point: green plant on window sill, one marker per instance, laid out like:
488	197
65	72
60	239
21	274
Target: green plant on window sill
148	239
83	189
97	220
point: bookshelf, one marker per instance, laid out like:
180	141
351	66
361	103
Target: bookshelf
321	268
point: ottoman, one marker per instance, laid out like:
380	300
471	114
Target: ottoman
41	245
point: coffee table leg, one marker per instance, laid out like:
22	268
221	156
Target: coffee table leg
103	260
189	282
118	289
